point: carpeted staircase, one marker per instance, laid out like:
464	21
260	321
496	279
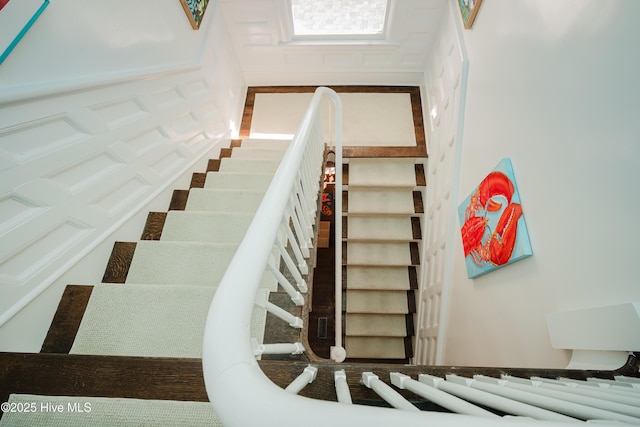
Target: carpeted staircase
156	302
381	231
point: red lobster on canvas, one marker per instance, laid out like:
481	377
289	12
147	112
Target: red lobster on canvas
497	246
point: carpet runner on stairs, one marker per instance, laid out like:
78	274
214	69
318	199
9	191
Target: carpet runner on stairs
380	252
160	310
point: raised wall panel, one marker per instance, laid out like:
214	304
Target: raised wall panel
443	99
122	195
167	97
27	260
146	141
83	174
120	112
75	165
26	141
15	210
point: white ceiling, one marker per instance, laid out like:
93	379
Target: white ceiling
260	33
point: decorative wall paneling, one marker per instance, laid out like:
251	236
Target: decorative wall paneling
75	165
270	54
445	91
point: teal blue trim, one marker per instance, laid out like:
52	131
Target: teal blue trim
24	30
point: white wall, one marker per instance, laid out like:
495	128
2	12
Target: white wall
443	97
128	107
553	86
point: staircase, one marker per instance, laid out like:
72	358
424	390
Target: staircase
381	234
134	340
156	292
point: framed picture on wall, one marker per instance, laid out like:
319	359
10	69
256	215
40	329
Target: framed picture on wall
469	10
494	233
195	11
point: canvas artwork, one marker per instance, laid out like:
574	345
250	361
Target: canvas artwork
494	232
469	10
195	11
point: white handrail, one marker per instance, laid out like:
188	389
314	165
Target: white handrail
240	393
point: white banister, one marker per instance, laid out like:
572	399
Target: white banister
280	348
239	391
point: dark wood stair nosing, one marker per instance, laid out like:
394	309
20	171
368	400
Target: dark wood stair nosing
66	321
119	262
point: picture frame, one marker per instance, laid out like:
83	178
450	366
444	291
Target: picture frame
469	10
492	226
195	10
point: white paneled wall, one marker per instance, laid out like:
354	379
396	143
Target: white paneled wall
445	83
75	165
269	53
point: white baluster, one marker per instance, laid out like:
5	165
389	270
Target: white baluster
293	321
306	377
597	392
392	397
297	226
431	393
461	387
580	406
296	296
302	285
342	388
281	348
302	263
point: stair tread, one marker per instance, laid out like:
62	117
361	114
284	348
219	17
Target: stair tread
382	172
386	202
375	347
273	144
223	200
379	228
257	153
377	278
376	253
149	321
196	226
231	164
238	180
184	263
176	263
374	324
374	301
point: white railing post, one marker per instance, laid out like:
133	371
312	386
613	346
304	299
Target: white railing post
338	352
342	388
436	396
392	397
306	377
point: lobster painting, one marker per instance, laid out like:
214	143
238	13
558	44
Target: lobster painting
493	230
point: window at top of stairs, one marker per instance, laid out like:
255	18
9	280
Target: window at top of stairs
339	18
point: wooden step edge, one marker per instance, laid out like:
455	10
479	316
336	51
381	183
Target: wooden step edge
103	376
421	179
182	379
154	226
119	262
179	200
198	179
66	321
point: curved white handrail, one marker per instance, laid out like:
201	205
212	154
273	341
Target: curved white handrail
241	394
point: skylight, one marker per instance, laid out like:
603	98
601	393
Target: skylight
338	17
